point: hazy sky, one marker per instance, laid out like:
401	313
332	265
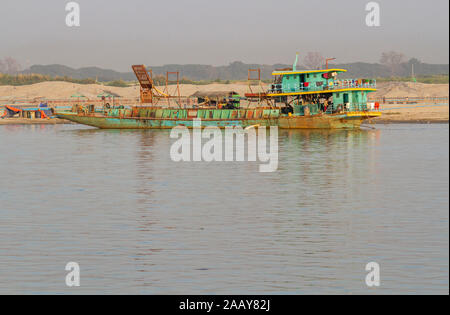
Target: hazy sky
116	34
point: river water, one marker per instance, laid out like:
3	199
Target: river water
137	222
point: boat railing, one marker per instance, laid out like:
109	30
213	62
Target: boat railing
332	85
352	107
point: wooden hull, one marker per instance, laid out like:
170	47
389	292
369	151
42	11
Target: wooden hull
335	121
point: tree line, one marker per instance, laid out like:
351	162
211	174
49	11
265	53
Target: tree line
391	65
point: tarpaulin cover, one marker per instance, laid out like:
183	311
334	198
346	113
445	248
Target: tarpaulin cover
41	112
11	111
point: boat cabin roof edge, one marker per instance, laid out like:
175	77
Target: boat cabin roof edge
307	71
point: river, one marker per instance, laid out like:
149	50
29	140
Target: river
138	223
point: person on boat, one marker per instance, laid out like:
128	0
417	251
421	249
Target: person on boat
287	109
229	105
325	106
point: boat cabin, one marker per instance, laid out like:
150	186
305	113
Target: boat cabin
320	91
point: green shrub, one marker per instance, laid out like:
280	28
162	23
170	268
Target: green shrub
117	83
26	79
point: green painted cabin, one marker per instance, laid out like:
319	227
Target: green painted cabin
306	88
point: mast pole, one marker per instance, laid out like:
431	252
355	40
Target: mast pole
328	59
294	66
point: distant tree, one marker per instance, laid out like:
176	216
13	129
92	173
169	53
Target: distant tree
414	65
313	60
2	67
159	80
25	79
392	60
9	65
414	61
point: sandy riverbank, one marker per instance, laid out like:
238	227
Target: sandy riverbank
391	112
64	90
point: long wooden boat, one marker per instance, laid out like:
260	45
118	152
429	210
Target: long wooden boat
314	99
157	118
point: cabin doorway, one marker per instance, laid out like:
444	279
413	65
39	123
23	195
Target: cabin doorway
345	98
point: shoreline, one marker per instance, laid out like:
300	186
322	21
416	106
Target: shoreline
24	121
57	121
381	121
393	111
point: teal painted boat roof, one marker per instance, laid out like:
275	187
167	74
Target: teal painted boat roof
307	71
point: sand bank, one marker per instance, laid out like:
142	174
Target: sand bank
391	112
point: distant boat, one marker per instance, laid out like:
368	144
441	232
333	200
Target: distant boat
40	112
314	99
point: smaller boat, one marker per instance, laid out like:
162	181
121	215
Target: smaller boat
40	112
